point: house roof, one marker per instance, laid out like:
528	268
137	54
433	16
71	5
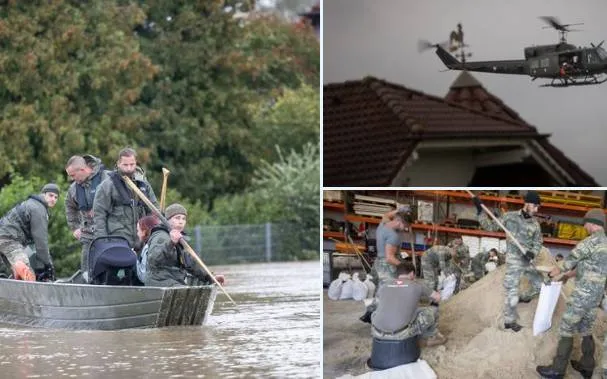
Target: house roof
370	127
469	92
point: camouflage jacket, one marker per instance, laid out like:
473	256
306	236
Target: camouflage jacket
589	258
526	230
164	266
441	256
27	223
79	199
116	209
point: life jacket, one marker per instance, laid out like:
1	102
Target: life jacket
85	203
125	195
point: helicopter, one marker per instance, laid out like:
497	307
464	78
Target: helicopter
562	63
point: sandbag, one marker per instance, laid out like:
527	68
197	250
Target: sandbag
370	286
549	296
359	289
335	287
490	266
347	290
448	287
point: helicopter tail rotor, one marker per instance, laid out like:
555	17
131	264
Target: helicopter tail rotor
423	45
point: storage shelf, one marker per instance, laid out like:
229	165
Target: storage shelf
331	205
465	195
336	235
469	232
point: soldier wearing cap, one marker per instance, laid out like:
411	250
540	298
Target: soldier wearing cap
525	228
589	260
26	224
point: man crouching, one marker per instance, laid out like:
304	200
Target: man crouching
398	316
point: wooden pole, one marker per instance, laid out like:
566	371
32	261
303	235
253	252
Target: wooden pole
183	242
163	191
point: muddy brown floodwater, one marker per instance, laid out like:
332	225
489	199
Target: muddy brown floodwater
273	332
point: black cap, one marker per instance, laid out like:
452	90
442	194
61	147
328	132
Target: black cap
532	197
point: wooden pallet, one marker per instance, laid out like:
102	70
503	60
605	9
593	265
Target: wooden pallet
571	198
332	196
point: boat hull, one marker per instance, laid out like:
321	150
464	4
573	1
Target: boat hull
97	307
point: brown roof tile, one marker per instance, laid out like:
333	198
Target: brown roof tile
371	126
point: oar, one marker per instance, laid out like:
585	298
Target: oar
163	190
183	242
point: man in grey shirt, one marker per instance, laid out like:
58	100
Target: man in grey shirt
398	316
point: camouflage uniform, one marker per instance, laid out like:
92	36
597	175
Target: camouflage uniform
435	258
116	209
382	270
396	305
424	324
527	232
164	267
79	206
23	225
478	264
589	257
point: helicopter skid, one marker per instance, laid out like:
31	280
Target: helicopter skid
574	81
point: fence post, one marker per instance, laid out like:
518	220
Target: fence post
198	239
268	242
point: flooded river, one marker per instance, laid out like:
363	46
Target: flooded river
272	332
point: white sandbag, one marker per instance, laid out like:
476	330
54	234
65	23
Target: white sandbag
370	286
448	287
549	296
416	370
490	266
359	289
604	304
335	287
347	290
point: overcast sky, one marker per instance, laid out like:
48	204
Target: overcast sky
380	38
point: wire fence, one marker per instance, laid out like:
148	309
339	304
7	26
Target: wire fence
228	244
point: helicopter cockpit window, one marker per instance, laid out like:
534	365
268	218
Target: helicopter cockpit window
602	53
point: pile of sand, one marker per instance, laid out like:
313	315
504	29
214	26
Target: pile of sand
477	345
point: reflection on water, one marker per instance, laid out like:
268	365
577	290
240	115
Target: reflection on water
273	331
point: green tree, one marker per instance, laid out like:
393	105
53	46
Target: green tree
216	72
70	77
290	124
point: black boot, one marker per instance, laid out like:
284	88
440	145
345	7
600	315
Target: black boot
585	365
513	325
559	363
366	317
524	299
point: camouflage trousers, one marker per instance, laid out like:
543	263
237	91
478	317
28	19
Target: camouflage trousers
478	268
423	324
512	280
381	271
431	273
604	359
13	251
577	320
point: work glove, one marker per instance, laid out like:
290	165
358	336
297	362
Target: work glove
48	275
529	256
477	204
